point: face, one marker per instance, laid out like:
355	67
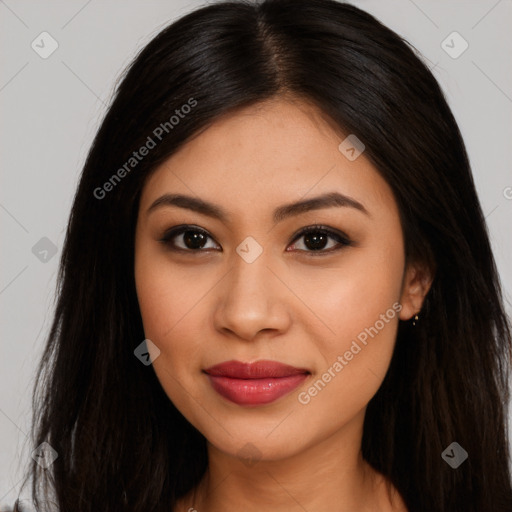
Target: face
261	242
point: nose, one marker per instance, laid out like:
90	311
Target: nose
251	301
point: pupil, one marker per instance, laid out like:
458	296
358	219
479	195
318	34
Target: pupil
194	240
315	241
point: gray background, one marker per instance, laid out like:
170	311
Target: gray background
51	109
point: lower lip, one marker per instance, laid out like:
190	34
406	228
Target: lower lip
255	391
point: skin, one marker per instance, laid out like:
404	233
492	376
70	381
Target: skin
291	305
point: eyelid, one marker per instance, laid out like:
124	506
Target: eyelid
341	238
320	227
170	233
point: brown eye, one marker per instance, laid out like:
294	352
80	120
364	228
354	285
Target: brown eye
319	239
188	238
316	241
194	239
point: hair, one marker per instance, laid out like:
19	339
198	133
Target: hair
121	443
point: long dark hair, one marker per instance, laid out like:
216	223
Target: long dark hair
121	443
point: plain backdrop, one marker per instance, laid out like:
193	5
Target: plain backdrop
51	108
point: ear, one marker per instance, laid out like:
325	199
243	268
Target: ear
416	284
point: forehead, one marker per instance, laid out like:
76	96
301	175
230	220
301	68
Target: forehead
266	155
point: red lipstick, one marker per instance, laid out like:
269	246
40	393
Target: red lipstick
257	383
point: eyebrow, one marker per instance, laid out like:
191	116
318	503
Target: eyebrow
329	200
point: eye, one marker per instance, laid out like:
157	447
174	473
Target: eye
319	239
188	238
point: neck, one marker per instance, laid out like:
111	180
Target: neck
330	475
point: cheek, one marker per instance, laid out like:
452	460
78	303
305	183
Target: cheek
172	320
358	303
169	303
353	295
166	294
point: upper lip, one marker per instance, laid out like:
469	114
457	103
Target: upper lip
256	370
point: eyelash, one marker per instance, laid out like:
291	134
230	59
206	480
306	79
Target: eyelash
341	238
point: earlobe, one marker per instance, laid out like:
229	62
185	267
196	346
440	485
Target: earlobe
417	282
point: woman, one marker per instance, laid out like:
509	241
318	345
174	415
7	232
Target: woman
277	290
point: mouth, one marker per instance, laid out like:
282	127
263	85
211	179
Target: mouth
257	383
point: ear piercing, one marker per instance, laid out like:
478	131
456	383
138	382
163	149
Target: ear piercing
416	317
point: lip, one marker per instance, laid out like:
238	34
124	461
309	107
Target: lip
257	383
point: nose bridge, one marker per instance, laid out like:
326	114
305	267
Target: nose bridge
249	284
250	299
250	279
